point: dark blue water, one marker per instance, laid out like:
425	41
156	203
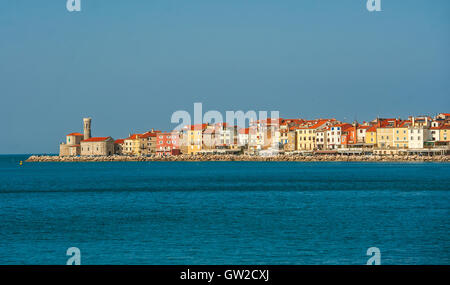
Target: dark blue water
224	212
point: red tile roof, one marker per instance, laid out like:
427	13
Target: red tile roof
96	139
119	141
346	127
76	134
372	129
197	127
244	131
318	124
364	127
148	134
443	127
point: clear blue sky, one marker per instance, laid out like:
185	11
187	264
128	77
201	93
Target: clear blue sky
130	64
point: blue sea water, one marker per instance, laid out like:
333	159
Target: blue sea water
224	212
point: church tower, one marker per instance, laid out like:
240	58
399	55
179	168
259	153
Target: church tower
87	128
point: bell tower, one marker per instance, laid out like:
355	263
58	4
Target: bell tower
87	128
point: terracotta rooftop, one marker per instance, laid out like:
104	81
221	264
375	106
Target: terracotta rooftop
96	139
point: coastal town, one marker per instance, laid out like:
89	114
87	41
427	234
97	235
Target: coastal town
416	135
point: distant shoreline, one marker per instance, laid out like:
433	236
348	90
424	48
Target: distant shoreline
199	158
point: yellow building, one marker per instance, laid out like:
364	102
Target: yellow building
444	134
385	137
400	135
306	138
193	138
134	145
371	136
306	135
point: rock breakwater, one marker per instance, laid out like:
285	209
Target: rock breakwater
212	157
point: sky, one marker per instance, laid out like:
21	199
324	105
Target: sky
130	64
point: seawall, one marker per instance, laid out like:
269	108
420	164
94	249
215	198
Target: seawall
367	158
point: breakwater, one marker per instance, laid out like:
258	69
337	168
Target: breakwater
212	157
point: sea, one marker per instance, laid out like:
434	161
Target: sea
191	213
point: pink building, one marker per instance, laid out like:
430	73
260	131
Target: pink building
168	143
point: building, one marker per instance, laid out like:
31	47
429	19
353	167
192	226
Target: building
417	136
264	134
119	146
149	140
400	135
321	139
192	138
306	138
134	145
385	132
97	146
333	136
349	135
84	144
371	136
291	144
243	137
385	137
361	135
72	145
444	133
167	143
141	144
307	134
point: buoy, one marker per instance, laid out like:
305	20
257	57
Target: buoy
21	162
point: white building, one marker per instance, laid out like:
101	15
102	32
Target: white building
321	139
243	137
417	136
361	133
333	137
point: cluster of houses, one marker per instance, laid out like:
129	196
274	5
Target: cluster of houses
419	134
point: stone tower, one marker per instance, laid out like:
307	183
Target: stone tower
87	128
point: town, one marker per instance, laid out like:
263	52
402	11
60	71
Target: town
417	135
